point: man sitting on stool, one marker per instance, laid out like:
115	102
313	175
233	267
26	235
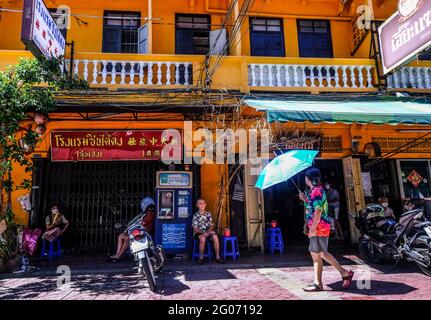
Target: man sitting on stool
203	227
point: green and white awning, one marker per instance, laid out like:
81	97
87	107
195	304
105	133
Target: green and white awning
374	112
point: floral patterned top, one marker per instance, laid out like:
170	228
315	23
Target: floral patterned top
316	200
202	221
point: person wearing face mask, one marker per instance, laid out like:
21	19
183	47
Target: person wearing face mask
333	197
415	203
384	202
56	224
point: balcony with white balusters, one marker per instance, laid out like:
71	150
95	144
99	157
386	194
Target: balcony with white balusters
127	70
313	75
415	78
240	73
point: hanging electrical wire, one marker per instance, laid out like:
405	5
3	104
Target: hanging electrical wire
237	25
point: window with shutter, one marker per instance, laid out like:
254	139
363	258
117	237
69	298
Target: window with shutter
267	37
120	32
314	37
58	16
192	34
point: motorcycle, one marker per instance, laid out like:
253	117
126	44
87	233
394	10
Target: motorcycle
383	239
150	258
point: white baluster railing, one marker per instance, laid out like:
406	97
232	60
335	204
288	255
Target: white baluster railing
315	76
134	73
410	78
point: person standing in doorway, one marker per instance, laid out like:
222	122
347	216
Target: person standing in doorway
318	231
333	197
384	202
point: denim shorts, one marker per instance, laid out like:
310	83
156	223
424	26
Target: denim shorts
318	244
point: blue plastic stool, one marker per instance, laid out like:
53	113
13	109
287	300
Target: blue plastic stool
51	253
195	254
234	248
274	240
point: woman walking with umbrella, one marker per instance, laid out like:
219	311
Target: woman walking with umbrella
283	168
319	229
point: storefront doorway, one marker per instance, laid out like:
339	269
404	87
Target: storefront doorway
380	179
283	205
98	198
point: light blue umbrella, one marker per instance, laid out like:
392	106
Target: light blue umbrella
285	166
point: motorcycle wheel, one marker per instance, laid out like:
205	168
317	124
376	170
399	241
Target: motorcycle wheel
367	255
423	243
148	271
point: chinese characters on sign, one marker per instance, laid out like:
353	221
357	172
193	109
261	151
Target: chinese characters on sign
40	32
415	178
114	145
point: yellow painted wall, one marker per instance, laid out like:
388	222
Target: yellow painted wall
21	216
87	30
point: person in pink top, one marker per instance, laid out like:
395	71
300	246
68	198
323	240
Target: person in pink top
319	228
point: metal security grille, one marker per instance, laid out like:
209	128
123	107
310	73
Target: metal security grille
407	145
332	144
99	198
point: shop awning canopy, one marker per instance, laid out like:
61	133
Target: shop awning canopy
374	112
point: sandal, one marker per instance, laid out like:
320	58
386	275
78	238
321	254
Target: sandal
348	279
313	287
200	261
220	260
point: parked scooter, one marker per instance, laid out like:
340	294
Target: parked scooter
150	258
383	239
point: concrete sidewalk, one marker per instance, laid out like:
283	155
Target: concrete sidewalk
101	264
221	282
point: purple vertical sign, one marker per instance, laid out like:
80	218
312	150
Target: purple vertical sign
405	33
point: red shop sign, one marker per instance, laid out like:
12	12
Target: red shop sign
116	145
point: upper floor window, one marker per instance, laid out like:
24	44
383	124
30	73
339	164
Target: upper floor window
120	32
314	38
266	37
192	34
60	20
426	55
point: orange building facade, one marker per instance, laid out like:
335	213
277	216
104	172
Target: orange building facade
152	65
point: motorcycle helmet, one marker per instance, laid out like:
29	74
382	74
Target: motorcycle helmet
146	203
373	211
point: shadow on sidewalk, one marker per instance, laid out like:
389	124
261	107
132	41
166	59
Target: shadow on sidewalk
90	286
376	288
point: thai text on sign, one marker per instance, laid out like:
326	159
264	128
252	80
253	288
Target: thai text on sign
116	145
406	33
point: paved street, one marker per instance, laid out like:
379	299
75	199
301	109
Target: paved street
230	281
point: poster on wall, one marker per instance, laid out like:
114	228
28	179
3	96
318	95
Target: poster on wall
174	235
366	184
40	32
165	204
